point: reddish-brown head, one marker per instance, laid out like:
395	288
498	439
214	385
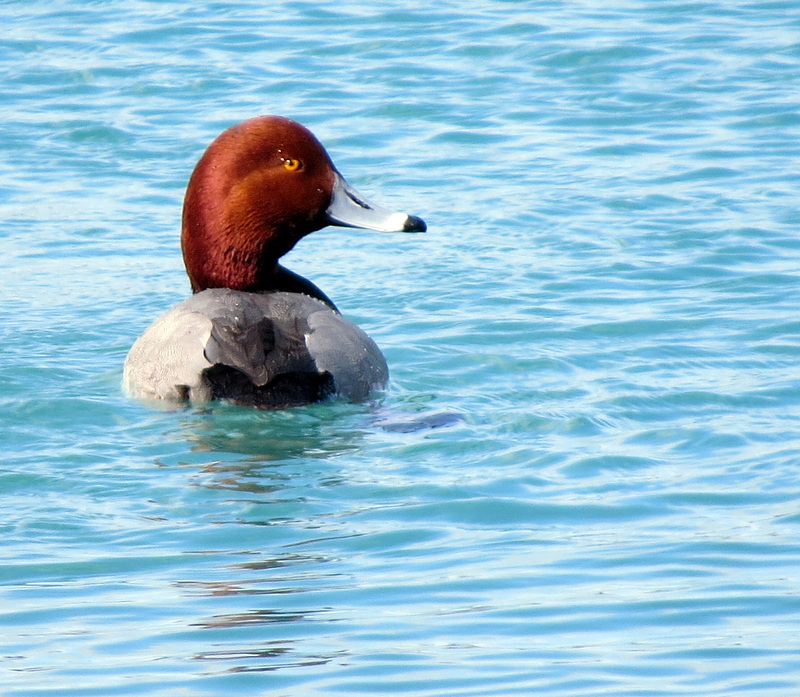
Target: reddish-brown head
258	188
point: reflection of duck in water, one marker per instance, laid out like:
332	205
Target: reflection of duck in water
256	333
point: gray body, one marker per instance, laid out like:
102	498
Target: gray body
268	350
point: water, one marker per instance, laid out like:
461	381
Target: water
584	478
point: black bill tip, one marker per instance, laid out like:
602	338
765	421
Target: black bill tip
414	224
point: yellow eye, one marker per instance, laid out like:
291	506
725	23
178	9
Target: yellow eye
291	164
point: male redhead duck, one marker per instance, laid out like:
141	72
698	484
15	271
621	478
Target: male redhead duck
255	333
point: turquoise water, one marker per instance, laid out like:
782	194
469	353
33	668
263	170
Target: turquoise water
584	478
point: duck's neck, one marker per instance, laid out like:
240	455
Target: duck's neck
245	269
217	264
290	282
232	249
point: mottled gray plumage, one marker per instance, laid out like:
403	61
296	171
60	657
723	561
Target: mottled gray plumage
268	350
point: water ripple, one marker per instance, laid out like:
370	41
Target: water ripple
583	478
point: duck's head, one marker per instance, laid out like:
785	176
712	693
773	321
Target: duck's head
258	188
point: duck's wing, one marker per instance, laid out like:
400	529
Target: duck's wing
168	360
258	354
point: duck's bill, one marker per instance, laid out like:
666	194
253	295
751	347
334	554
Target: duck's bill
348	208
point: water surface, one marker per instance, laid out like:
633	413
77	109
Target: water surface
584	477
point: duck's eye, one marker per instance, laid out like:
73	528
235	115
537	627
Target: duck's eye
292	165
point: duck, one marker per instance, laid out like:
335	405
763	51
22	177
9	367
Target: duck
254	333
